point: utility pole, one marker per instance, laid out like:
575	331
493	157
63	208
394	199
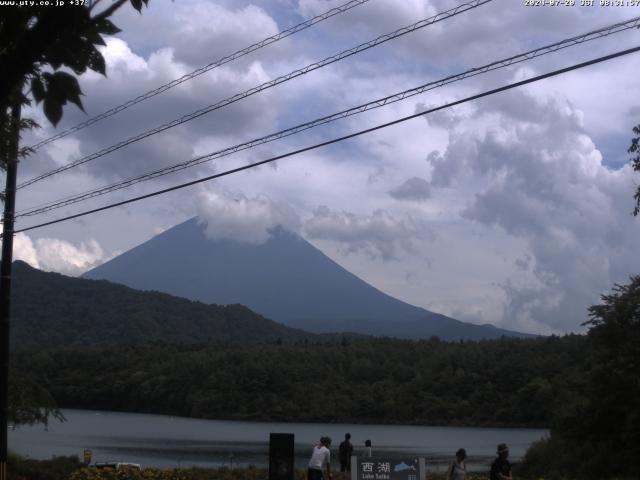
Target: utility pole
5	279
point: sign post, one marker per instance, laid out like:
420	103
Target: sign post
281	456
387	468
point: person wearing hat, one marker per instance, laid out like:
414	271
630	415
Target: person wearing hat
457	469
501	468
320	460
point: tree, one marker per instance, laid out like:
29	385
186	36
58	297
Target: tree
30	402
43	49
614	384
38	41
634	149
598	436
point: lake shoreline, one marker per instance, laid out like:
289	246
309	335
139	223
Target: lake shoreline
353	421
169	441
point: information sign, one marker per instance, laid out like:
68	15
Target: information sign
387	468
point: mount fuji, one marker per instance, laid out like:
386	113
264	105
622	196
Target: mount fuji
285	279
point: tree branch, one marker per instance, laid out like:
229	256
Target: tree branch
107	12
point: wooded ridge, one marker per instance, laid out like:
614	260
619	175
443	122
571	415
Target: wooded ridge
507	382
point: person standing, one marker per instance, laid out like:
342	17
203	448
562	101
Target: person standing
367	449
320	460
345	450
458	469
501	468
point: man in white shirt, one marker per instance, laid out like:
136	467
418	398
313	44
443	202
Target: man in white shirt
320	460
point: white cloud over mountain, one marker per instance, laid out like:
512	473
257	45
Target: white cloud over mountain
229	216
51	254
379	234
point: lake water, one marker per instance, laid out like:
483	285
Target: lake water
163	441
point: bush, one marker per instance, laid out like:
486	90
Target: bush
58	468
70	468
208	474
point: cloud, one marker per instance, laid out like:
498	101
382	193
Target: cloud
23	249
130	74
234	216
55	255
415	188
533	173
446	119
379	234
465	39
374	16
200	32
207	31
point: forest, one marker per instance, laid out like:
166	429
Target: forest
506	382
51	311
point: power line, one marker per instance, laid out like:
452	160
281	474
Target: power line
272	83
339	139
218	63
576	40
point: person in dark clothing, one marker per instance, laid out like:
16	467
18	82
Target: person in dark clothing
345	450
501	468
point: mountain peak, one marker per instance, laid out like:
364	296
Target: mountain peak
285	278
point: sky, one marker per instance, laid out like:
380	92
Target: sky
513	210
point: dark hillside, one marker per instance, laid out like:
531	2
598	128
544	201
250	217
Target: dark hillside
51	311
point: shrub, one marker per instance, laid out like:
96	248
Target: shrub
57	468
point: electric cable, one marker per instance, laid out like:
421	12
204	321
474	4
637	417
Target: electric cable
272	83
339	139
538	52
218	63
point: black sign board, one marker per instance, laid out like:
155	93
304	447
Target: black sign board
384	468
281	456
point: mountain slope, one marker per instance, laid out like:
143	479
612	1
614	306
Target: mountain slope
286	279
51	311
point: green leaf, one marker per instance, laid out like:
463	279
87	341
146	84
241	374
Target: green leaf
37	88
93	36
78	60
53	109
107	27
67	88
55	55
137	4
96	62
55	63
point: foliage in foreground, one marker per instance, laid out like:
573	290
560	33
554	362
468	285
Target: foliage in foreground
634	150
70	468
29	402
57	468
39	41
209	474
599	437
